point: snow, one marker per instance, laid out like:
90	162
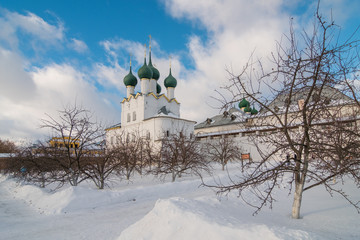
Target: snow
179	218
147	208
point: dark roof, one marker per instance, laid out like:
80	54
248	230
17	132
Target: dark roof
233	116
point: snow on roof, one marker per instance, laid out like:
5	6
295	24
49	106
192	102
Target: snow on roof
233	116
118	125
5	155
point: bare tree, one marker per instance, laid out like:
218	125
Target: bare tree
133	153
150	155
28	165
309	122
100	164
127	151
74	133
223	150
7	146
179	155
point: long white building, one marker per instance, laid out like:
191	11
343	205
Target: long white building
245	125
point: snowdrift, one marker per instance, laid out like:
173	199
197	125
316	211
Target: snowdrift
66	200
179	218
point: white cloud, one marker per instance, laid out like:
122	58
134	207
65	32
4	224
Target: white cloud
78	45
38	28
16	84
28	92
62	84
111	74
235	29
57	85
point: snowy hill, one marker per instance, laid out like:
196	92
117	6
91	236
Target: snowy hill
147	208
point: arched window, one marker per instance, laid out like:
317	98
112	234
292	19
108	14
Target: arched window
128	117
134	116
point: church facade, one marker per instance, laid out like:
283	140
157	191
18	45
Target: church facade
149	114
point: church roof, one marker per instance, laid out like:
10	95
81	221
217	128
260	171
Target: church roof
170	81
243	103
130	79
145	71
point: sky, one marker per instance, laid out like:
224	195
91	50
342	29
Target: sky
58	53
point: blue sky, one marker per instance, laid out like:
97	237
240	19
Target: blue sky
53	53
94	21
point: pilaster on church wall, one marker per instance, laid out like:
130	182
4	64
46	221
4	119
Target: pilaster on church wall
123	112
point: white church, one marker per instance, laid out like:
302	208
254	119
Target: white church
149	114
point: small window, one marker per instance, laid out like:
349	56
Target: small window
167	133
128	117
134	116
148	135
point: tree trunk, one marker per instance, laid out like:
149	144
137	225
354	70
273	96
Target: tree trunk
173	176
102	183
297	200
73	180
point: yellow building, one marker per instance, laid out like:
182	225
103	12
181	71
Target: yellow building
64	142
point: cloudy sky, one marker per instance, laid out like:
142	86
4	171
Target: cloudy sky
55	53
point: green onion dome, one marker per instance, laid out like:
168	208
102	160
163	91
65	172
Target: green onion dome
130	79
145	71
244	104
170	81
253	111
156	73
158	88
247	109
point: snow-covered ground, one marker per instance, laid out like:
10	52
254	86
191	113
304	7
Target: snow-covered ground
147	208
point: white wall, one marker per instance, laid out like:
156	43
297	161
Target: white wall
156	126
146	106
